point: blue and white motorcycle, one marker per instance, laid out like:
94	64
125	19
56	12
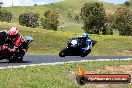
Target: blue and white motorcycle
77	47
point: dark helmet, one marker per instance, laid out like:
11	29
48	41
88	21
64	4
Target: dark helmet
3	37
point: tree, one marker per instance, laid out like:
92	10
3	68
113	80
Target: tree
1	3
77	18
93	17
52	4
108	30
29	19
123	21
127	3
5	16
69	15
35	5
51	20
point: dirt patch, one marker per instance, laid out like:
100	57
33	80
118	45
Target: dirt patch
124	52
122	69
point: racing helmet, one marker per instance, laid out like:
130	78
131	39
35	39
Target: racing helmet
3	37
85	35
13	32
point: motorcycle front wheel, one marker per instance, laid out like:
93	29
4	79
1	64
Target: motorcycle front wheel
85	54
63	52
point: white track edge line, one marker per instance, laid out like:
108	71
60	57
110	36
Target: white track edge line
59	63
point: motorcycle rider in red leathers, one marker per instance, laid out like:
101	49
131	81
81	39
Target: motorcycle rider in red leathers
14	44
14	37
17	41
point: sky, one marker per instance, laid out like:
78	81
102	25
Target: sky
8	3
114	1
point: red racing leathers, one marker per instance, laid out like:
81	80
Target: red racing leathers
17	43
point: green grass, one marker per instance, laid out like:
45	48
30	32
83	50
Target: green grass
72	27
59	76
51	42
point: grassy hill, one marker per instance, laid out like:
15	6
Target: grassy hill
51	42
130	3
63	7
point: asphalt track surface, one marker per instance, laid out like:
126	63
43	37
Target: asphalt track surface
41	59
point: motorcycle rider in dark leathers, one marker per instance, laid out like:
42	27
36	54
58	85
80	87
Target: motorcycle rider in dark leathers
86	42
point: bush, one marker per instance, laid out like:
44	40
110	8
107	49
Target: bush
29	19
5	16
123	21
108	30
50	21
93	17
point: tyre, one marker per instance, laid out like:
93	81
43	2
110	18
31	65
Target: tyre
16	60
62	52
19	59
12	60
82	55
86	53
81	80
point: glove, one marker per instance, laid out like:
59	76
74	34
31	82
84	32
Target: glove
26	49
12	50
4	47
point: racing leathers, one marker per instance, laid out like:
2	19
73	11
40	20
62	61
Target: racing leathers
86	43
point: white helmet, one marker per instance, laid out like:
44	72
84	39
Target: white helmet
85	35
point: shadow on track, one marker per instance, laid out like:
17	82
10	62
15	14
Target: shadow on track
16	62
93	43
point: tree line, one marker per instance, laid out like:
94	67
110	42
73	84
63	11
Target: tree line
96	21
92	15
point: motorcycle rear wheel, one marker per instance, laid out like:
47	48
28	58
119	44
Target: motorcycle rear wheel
16	60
